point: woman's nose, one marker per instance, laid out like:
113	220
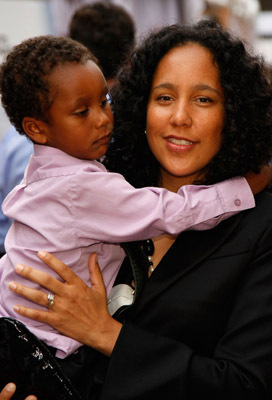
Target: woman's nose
181	114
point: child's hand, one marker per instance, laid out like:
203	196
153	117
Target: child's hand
258	182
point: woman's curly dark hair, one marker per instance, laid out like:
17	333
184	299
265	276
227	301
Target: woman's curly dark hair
247	133
24	85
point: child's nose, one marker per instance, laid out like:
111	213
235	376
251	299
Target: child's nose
102	118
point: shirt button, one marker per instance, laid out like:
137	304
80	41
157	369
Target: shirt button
237	202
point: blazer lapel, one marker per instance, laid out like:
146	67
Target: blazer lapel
190	248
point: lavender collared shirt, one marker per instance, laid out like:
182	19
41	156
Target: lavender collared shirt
73	207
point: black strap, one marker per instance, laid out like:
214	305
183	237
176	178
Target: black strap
138	264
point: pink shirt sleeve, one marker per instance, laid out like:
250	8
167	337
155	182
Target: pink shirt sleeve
117	212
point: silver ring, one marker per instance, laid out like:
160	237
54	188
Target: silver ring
51	298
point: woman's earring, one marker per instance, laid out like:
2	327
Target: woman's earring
145	132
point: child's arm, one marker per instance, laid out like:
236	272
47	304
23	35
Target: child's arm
117	212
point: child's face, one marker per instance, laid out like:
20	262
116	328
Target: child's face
80	118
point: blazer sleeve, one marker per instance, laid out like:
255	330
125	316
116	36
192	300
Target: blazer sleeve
147	365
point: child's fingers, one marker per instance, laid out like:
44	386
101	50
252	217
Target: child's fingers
8	391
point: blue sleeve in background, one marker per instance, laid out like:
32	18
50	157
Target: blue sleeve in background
15	150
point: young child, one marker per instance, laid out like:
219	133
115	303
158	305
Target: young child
68	204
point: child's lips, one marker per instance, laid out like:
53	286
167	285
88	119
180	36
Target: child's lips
104	139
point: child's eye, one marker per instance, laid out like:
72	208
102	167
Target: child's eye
104	103
82	112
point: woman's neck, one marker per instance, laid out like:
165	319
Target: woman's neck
173	182
163	242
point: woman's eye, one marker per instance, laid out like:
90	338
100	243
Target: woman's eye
164	98
204	100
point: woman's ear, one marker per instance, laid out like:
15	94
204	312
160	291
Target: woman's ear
35	130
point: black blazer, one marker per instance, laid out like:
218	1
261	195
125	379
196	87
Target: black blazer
203	323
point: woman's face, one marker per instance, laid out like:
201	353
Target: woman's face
185	114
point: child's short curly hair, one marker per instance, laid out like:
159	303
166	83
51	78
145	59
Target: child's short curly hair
24	86
247	132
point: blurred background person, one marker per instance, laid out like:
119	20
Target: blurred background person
147	14
108	31
236	15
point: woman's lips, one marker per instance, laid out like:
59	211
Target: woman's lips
179	144
180	141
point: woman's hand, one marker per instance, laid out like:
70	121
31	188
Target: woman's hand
79	311
259	182
9	390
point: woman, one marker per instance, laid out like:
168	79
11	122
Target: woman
201	323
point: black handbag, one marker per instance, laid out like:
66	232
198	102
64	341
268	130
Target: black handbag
28	362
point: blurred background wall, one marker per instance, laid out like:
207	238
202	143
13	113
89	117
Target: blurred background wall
251	19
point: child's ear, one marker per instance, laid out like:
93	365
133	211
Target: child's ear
35	129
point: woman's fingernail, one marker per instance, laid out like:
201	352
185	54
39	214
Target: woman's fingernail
16	308
12	285
42	253
19	268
